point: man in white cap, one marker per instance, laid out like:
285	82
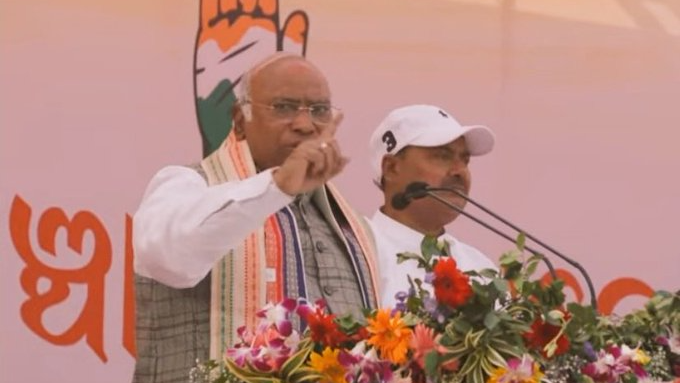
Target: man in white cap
421	143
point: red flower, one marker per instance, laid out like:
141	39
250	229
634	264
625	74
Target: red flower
324	329
451	286
542	333
360	334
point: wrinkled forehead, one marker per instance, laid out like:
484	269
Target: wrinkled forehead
290	78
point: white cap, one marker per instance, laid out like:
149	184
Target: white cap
424	125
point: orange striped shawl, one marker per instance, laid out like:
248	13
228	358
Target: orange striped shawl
251	274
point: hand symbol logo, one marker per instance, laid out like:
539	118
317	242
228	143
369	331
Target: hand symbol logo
233	35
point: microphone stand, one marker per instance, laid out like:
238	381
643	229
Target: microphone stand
430	191
549	264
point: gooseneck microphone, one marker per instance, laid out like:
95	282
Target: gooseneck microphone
416	190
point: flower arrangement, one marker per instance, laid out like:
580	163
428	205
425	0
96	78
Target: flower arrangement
483	326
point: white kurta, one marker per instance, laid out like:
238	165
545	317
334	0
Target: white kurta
393	237
183	226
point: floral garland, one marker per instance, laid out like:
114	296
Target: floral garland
473	327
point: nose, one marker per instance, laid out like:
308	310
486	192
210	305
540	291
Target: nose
459	172
458	167
302	122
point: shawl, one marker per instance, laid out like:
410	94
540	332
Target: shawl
255	272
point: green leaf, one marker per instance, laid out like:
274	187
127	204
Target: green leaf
410	319
472	339
521	240
491	320
347	324
428	247
494	357
431	363
488	273
532	264
469	364
506	348
509	259
403	257
304	374
461	326
456	350
264	380
478	374
245	374
501	285
486	365
297	359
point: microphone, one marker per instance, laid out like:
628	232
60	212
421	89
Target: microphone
414	190
420	189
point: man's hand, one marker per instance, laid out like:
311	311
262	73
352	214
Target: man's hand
312	163
233	35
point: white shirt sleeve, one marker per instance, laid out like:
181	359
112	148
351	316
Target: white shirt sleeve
183	226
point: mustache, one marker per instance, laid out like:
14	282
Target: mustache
454	183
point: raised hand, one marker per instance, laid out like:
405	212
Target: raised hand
312	163
232	36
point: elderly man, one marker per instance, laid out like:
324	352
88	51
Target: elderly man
421	143
254	222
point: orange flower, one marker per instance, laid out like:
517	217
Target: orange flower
451	286
328	365
390	336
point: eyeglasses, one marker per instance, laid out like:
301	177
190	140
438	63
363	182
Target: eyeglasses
319	113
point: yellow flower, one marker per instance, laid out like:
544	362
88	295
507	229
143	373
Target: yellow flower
637	355
523	370
328	365
641	357
390	336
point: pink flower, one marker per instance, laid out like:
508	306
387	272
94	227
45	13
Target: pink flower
524	370
277	316
615	361
365	367
423	342
274	341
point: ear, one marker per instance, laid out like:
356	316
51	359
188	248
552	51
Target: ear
238	122
390	167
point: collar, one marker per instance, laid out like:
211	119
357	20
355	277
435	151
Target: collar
400	233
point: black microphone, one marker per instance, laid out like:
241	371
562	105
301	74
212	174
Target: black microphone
431	191
414	190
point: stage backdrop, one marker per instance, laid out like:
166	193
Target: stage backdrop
98	95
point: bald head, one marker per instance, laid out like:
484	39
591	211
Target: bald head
271	61
268	90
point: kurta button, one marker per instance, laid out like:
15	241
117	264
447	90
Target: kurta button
321	247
